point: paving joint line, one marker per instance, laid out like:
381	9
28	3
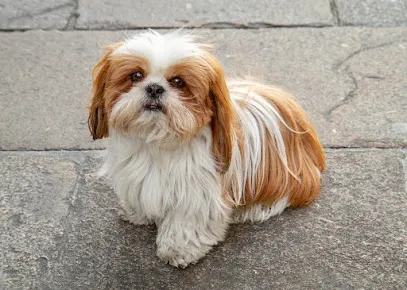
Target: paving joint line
335	12
102	149
237	26
73	17
209	27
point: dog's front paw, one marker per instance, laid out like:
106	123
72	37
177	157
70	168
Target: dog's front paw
181	257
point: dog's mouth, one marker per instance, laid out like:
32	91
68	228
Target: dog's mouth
154	106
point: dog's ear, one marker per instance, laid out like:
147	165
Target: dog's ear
223	118
98	119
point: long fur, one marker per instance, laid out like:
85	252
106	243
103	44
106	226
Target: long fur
217	153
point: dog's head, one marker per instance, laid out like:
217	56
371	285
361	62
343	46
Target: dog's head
160	88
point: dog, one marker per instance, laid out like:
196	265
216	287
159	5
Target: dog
192	153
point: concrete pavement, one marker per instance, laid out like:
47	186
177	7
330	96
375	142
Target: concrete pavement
345	61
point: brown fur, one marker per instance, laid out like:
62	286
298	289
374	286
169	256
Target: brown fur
224	116
207	95
195	92
110	79
304	154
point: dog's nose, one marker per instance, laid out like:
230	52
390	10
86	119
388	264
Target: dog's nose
154	91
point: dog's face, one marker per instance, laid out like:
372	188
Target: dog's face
161	88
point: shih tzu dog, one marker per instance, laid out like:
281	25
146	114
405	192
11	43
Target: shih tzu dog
193	153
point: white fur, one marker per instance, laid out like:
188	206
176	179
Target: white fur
151	126
174	184
259	213
256	117
162	50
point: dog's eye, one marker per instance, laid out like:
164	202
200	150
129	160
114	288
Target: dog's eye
136	76
177	82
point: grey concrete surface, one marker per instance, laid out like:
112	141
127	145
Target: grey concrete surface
59	230
127	14
110	14
35	14
372	12
349	80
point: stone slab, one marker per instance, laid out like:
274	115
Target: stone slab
59	230
350	80
127	14
35	14
372	12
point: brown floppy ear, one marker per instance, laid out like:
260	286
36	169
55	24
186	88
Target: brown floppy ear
98	119
223	118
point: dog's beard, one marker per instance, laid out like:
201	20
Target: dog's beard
166	121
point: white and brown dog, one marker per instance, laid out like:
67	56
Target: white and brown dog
193	153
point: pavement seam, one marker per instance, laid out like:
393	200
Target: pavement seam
72	19
224	26
49	150
335	12
214	26
101	150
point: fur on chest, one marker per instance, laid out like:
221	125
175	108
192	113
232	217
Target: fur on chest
156	178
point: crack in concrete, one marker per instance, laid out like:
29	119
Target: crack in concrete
355	86
374	77
41	12
72	19
70	199
404	164
364	49
348	97
335	12
79	170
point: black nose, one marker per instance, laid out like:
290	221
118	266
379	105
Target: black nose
154	91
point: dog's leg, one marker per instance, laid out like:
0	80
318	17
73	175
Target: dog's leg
183	239
128	214
259	213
